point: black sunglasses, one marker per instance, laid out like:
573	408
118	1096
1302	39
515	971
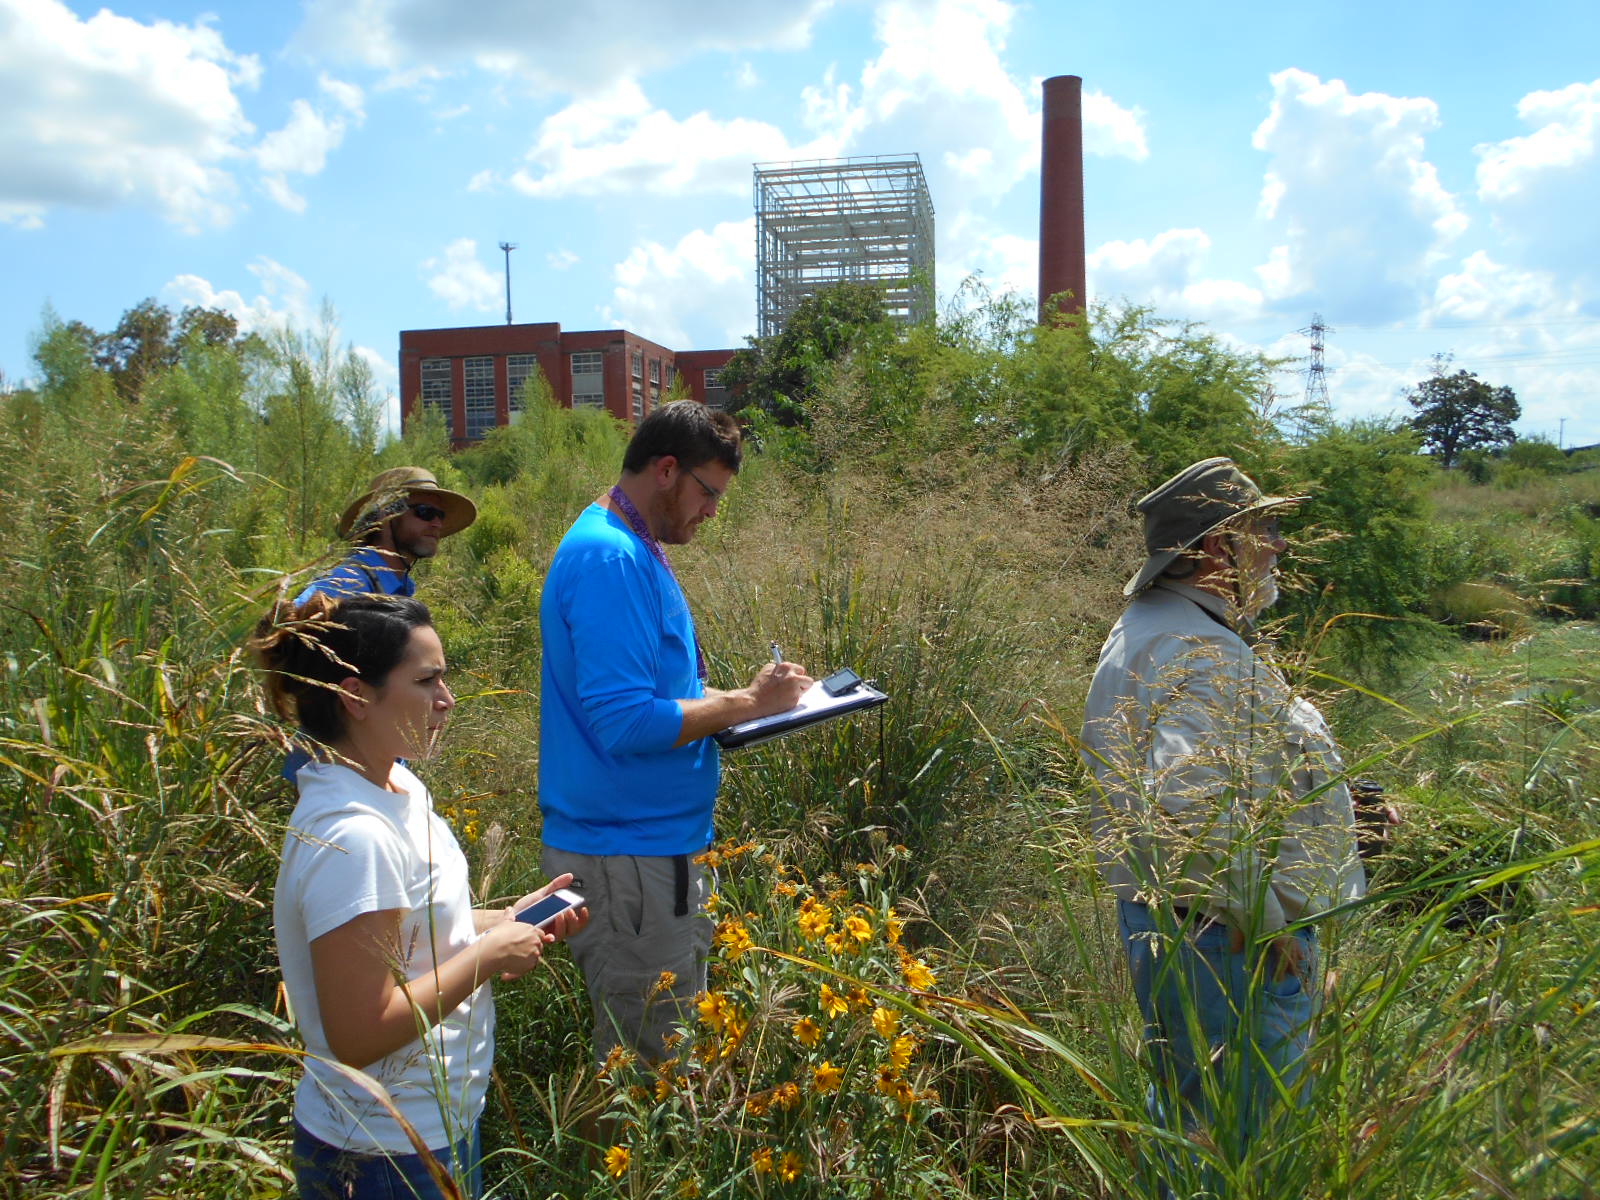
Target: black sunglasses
428	512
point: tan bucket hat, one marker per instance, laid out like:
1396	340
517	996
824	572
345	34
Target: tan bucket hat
1190	505
394	488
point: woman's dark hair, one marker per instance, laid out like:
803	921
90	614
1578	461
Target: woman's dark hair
690	432
307	649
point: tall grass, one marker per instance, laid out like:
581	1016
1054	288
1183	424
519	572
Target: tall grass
140	819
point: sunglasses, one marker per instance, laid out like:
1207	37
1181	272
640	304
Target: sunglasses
427	512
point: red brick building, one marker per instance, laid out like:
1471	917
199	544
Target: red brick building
475	375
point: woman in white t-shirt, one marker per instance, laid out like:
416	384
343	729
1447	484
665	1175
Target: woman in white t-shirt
385	960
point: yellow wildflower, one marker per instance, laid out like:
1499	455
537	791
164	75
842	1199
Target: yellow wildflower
838	942
859	1000
833	1004
787	1095
689	1188
886	1021
733	935
916	974
893	926
713	902
663	1089
758	1104
617	1161
888	1077
761	1160
789	1167
665	982
784	888
826	1078
901	1050
814	918
858	927
714	1010
807	1032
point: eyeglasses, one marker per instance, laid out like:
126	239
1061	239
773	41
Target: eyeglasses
428	512
711	492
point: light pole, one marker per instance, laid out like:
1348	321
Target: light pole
508	247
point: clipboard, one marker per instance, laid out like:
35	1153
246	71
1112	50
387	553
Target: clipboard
815	707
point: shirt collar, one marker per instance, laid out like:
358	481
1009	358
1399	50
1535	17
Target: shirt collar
379	560
1210	601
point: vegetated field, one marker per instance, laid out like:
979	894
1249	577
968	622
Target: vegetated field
971	1034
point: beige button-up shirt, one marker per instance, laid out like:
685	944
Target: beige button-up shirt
1217	786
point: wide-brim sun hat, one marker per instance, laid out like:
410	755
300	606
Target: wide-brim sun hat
398	486
1196	501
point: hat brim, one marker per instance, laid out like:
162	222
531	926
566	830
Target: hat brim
1162	559
459	511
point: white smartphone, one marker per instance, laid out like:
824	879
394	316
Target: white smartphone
541	912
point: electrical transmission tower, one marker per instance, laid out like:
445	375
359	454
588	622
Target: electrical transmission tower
1315	406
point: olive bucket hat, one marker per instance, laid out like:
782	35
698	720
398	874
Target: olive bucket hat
1193	503
393	489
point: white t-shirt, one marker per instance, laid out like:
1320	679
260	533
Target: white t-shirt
355	848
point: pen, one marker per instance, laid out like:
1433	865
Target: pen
777	655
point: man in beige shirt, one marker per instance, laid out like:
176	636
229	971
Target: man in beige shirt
1222	815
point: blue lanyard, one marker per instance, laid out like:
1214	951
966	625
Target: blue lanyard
636	523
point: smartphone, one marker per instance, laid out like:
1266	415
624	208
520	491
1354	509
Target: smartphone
841	681
542	912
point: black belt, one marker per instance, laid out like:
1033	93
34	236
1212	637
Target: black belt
680	885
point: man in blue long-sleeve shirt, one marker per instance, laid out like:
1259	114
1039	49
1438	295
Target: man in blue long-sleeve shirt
628	770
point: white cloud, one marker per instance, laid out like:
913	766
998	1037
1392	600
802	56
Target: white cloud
572	47
938	79
1362	215
1165	273
1112	131
561	260
283	301
616	142
1484	290
302	146
1543	186
461	280
708	273
972	245
108	111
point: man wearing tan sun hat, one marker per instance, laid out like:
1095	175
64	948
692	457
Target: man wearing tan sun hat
1222	816
399	519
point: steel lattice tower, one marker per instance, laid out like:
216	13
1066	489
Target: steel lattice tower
858	220
1316	371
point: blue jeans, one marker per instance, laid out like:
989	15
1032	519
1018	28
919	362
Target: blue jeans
324	1172
1252	1030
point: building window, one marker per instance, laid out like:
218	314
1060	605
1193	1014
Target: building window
638	364
437	393
480	395
716	394
588	379
519	372
655	371
638	402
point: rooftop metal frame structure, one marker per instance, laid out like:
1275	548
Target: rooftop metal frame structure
859	220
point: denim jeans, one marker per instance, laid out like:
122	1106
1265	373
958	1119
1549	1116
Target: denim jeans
1252	1031
324	1172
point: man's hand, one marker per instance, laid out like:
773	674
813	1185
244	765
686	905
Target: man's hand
777	687
1286	954
774	689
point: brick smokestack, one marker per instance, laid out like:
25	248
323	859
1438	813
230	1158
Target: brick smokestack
1062	257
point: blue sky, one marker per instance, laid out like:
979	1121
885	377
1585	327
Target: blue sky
1423	175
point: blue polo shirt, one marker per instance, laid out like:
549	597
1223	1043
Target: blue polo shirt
618	645
366	570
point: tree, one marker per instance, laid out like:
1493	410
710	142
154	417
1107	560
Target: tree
1461	412
781	374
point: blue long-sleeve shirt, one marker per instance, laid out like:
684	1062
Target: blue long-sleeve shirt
618	644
